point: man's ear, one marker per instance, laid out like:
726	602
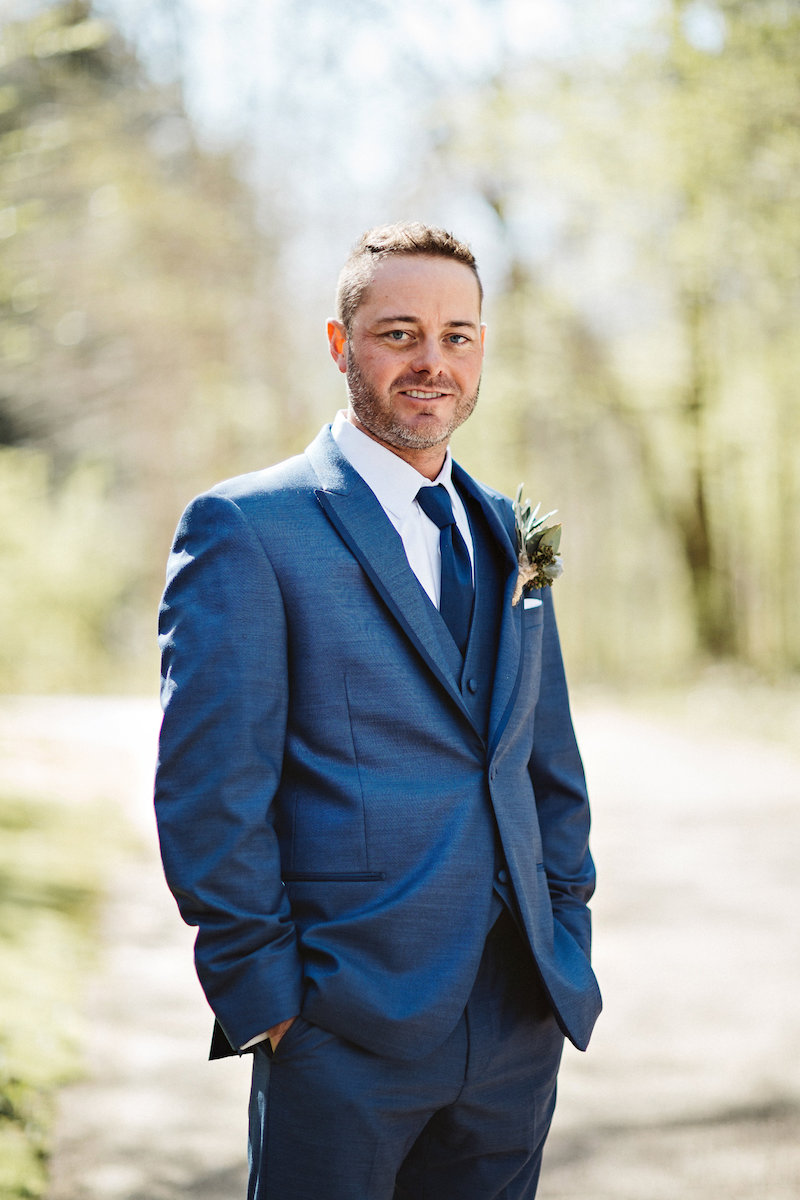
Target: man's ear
337	341
483	338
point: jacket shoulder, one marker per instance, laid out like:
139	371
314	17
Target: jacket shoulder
291	475
266	502
285	483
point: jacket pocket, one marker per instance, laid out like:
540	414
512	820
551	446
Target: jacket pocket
302	1037
532	617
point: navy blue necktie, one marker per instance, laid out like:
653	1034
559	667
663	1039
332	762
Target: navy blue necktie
457	593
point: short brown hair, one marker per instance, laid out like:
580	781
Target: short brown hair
406	237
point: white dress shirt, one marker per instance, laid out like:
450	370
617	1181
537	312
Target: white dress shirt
395	484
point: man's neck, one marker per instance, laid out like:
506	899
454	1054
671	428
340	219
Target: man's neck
427	460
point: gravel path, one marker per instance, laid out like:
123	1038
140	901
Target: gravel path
691	1087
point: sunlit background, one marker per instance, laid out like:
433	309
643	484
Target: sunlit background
180	181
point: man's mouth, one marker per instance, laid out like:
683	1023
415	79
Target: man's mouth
418	394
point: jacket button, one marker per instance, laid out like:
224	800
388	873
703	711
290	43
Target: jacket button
472	686
502	876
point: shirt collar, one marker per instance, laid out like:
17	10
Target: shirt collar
394	481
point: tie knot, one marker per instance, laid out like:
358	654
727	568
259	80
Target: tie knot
435	503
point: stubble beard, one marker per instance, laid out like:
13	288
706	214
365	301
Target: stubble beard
378	419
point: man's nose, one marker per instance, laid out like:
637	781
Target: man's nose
427	356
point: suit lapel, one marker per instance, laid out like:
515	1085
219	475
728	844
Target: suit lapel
357	516
509	648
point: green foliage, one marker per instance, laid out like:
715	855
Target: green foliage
135	288
51	862
63	577
130	263
647	344
642	358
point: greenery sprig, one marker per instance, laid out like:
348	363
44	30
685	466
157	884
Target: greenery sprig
537	547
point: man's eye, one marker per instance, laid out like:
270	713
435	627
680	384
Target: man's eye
397	335
458	339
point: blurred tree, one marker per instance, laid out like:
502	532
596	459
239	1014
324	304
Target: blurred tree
724	115
641	193
139	323
653	200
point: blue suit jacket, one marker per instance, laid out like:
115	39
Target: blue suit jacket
326	802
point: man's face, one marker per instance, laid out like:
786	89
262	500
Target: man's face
414	355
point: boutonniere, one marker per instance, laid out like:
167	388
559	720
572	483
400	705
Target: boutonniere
537	547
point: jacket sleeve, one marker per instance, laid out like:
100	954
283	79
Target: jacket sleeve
225	689
560	789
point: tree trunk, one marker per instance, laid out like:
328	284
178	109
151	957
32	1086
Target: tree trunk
712	593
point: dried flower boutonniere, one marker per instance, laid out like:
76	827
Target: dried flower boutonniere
537	547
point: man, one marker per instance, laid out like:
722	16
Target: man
369	795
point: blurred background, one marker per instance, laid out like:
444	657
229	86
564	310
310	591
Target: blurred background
180	181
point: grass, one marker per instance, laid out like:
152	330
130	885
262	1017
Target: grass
53	859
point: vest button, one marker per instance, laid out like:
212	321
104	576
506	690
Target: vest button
472	686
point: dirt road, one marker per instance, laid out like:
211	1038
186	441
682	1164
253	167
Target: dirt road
691	1087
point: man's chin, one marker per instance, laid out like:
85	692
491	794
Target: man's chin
422	435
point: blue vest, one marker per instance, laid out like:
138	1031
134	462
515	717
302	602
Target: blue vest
476	671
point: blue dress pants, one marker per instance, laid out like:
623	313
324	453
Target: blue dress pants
332	1121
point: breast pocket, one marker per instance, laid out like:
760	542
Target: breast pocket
532	612
532	633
